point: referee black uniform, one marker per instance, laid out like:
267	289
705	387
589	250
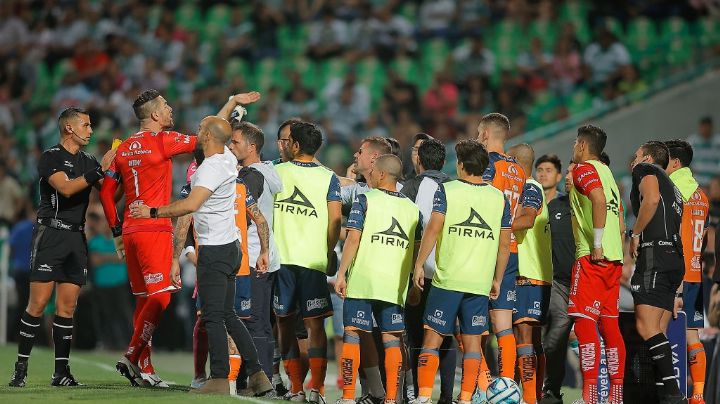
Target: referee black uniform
59	256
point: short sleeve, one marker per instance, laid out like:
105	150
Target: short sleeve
506	221
531	197
254	181
48	165
334	190
249	200
586	178
176	143
489	174
356	218
440	200
184	191
642	170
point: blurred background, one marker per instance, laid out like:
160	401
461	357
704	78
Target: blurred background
358	68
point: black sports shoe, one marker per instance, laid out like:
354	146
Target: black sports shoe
64	378
550	398
279	386
19	375
369	399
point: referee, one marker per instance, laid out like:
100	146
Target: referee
59	249
212	203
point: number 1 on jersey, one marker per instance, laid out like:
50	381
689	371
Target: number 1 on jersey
135	182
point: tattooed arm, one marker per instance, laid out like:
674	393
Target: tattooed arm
264	234
180	234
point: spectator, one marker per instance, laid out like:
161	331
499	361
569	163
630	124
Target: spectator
347	114
533	64
436	17
391	35
237	36
11	196
605	59
470	15
13	30
565	68
400	94
109	279
20	246
361	93
328	36
706	145
473	59
442	96
266	21
631	83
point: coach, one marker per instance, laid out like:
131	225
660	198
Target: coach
211	201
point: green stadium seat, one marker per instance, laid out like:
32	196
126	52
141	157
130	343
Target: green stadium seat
407	69
546	31
237	67
615	27
333	68
543	109
675	26
708	31
189	17
573	10
218	14
409	11
307	69
371	72
267	74
154	16
641	35
61	70
434	49
579	101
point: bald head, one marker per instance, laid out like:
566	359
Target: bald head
218	128
525	156
389	164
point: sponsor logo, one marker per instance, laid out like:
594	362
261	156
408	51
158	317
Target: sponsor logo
297	204
511	296
438	313
635	288
135	150
587	356
437	318
347	371
394	236
558	216
134	163
135	146
479	321
535	310
474	226
613	205
319	303
665	243
153	278
68	164
698	316
396	319
148	330
67	337
594	309
45	268
613	360
245	305
26	335
360	319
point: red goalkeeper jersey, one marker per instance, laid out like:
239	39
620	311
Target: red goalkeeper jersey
143	164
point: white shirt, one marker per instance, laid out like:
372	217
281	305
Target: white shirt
605	62
272	185
215	220
424	201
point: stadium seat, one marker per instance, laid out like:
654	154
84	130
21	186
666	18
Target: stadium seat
573	10
237	67
268	74
307	69
615	27
547	32
708	31
189	17
218	14
434	50
406	68
641	35
579	101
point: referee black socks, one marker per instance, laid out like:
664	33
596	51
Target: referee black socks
29	327
62	338
661	355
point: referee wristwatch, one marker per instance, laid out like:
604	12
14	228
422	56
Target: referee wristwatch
153	213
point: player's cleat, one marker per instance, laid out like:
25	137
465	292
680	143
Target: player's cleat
130	370
64	379
153	380
197	382
674	400
369	399
446	400
279	386
480	397
344	401
696	399
550	398
214	386
315	397
19	375
579	401
298	397
422	400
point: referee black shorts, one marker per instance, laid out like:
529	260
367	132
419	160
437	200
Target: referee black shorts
58	256
657	278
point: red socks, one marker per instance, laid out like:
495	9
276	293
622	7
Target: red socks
145	325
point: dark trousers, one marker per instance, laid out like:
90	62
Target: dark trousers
555	338
259	324
217	265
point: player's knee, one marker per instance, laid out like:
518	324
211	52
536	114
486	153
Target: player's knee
160	300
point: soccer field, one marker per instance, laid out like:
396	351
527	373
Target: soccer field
96	370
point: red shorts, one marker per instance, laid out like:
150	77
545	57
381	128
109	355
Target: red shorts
594	289
149	256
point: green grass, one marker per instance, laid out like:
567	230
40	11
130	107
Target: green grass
96	370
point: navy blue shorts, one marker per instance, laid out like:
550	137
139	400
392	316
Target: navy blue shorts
508	296
693	304
243	296
359	313
444	306
533	302
301	289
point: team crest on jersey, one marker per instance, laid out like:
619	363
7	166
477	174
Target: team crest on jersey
297	204
393	236
474	226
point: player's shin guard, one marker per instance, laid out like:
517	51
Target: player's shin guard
29	326
428	363
393	365
527	364
200	348
62	338
661	355
589	345
615	356
317	358
696	359
471	369
349	365
507	353
146	323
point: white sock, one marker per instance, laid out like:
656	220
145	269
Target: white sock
374	381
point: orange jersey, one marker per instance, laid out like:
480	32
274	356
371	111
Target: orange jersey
692	231
505	174
243	201
143	164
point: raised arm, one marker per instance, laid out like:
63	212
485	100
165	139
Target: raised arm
235	100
